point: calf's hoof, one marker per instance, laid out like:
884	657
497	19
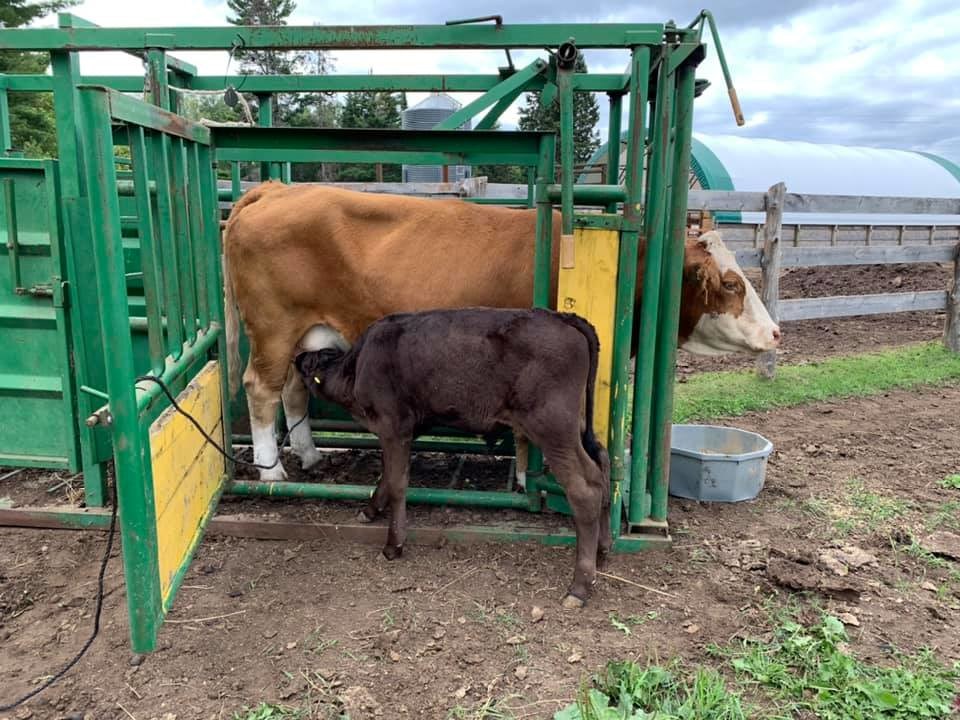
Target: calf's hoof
392	552
603	559
366	516
572	602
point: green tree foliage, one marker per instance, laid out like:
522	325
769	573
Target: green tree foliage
370	109
586	113
292	110
32	125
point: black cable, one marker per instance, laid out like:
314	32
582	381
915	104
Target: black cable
113	524
166	391
96	614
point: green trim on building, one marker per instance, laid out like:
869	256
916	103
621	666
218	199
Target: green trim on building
712	175
948	165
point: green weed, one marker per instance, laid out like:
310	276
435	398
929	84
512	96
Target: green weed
951	482
627	691
266	711
809	671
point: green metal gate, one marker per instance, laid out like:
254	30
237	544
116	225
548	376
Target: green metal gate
38	425
168	477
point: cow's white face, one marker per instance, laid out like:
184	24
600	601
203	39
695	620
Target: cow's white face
722	312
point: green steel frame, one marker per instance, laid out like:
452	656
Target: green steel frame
142	243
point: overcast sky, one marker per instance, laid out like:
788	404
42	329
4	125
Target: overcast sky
881	74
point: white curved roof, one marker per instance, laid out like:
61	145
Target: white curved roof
754	164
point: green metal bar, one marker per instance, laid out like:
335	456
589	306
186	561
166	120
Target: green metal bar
84	325
565	88
366	441
5	141
210	212
592	82
268	170
415	495
542	276
350	37
149	253
132	463
199	239
659	170
665	368
285	173
183	240
147	393
236	189
440	147
731	91
13	246
157	76
166	239
490	119
589	194
627	283
509	87
613	136
135	112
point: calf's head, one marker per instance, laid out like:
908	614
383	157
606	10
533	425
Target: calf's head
720	312
319	369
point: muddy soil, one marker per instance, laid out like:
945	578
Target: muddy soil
334	627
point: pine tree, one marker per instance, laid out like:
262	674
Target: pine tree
586	115
370	109
293	110
32	122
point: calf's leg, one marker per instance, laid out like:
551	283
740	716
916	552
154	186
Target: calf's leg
396	477
585	501
295	400
522	447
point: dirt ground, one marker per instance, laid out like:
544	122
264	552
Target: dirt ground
852	495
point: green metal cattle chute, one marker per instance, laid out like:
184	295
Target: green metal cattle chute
134	283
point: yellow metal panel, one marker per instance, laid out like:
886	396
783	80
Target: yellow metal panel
589	289
187	471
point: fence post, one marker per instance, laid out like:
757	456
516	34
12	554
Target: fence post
951	331
770	268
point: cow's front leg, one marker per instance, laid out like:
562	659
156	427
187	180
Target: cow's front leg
295	401
263	398
522	450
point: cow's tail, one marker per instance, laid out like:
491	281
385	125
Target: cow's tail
230	309
588	438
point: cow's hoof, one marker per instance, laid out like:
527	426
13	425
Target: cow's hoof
310	457
521	482
364	517
572	602
603	559
274	474
392	552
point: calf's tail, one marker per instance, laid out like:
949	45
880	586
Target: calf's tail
591	445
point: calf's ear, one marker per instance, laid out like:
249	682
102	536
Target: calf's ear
308	366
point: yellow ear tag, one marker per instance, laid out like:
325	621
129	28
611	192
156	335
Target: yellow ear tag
316	380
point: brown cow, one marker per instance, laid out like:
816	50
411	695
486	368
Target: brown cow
478	369
312	266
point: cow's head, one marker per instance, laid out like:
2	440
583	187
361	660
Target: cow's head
720	311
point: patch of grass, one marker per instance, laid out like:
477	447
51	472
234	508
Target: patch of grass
716	394
623	625
266	711
627	691
870	510
946	515
918	552
810	672
951	482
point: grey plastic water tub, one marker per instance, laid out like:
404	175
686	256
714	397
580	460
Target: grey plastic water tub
717	464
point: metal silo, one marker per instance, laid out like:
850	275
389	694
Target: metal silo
424	116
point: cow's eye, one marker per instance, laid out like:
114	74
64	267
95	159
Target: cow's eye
730	286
